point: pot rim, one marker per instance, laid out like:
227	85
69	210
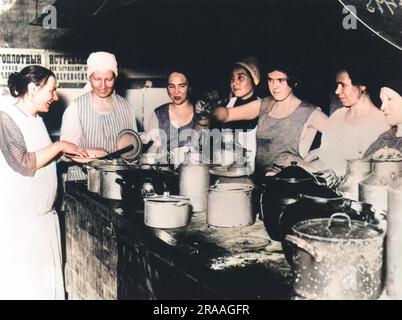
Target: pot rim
381	232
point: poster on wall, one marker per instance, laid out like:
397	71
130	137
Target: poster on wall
70	69
12	60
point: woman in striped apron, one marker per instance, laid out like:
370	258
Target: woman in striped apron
94	119
31	263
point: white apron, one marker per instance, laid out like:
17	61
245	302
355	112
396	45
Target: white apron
247	140
30	250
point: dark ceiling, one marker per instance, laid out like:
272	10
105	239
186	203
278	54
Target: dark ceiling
210	35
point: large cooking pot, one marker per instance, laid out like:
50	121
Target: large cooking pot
320	202
337	258
281	190
110	175
230	205
93	173
166	211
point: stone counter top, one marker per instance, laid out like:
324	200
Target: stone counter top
223	263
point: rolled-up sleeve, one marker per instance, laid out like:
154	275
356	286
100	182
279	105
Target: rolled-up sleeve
13	147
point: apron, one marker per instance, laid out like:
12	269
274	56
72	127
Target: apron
30	249
247	140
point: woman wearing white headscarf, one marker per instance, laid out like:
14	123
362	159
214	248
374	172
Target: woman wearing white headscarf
94	119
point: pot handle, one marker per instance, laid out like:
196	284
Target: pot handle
305	246
181	203
339	214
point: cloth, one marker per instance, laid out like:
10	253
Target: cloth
101	61
343	141
251	65
30	246
86	127
279	136
389	139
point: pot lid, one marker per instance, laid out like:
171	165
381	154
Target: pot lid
339	227
294	173
232	187
316	191
114	167
129	137
166	197
233	171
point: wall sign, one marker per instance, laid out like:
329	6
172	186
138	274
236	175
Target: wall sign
70	69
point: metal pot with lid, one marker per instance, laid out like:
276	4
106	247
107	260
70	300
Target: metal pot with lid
281	190
230	205
337	259
166	211
110	175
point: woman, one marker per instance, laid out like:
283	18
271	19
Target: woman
286	125
391	97
94	119
352	128
29	227
244	80
174	126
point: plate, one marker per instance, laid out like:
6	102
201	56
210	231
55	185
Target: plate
93	154
80	159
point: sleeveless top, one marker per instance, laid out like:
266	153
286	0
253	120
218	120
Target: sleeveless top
173	137
279	136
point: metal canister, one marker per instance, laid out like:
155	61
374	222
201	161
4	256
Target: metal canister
194	183
356	171
374	188
393	278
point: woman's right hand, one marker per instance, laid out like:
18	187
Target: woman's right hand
73	149
221	114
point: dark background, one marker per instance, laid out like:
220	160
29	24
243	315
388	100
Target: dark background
207	36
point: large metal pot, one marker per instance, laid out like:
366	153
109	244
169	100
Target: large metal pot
110	188
93	173
194	183
393	282
230	205
281	190
373	189
337	258
166	211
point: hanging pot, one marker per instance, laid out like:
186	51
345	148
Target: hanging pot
166	211
230	205
337	258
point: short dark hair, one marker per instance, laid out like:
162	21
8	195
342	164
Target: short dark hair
18	81
292	79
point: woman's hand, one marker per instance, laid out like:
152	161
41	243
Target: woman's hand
73	149
221	114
